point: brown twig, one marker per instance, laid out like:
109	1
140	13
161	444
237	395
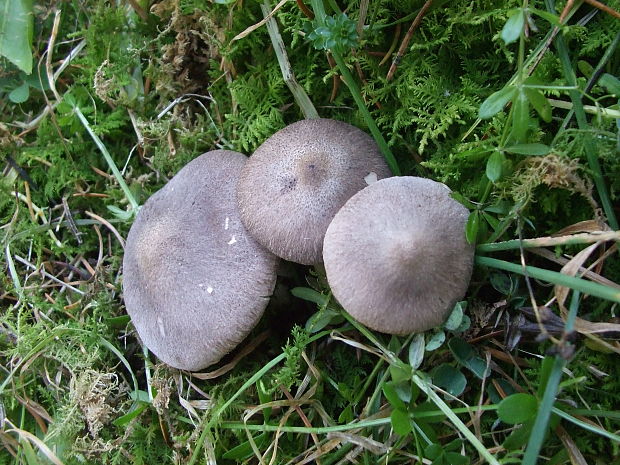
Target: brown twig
139	10
603	7
335	78
302	6
303	417
407	39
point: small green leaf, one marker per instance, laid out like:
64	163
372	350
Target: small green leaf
400	372
551	18
502	283
29	453
133	413
436	341
449	378
466	356
493	222
310	295
465	325
520	117
433	451
540	103
519	437
517	408
263	397
123	215
403	391
322	318
586	68
244	450
16	25
389	391
38	78
346	415
118	321
546	368
513	27
453	445
400	422
455	318
611	83
472	226
20	94
496	102
495	164
529	149
494	394
416	351
454	458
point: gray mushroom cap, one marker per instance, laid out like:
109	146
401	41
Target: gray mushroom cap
296	181
195	283
396	256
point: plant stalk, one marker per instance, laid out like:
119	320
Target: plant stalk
560	279
108	159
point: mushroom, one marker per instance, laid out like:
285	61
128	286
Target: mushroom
296	181
396	256
195	283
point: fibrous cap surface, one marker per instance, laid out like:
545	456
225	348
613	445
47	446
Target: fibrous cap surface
195	283
295	182
396	256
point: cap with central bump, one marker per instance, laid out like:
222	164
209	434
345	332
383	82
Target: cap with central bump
296	181
194	282
396	256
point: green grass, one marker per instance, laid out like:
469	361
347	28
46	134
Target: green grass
140	92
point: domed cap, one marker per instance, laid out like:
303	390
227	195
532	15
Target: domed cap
296	181
396	256
195	283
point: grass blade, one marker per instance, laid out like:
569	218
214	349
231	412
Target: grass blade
583	238
250	382
301	97
582	123
108	159
541	422
578	284
587	426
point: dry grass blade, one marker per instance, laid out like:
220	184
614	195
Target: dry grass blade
108	225
35	441
371	445
584	272
262	22
38	214
309	457
47	275
335	335
49	53
576	457
571	269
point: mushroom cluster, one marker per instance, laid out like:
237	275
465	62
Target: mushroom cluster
200	260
